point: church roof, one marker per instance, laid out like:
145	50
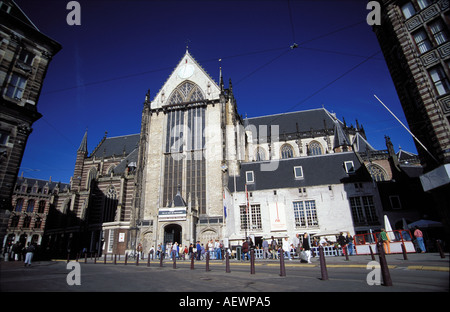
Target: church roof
120	145
301	121
30	182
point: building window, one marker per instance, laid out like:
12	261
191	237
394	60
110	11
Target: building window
37	223
111	240
26	222
251	219
440	80
314	148
363	210
439	31
408	10
377	173
30	206
109	211
260	154
4	137
395	202
287	151
41	208
423	3
305	214
422	41
298	172
19	205
14	221
249	177
349	167
16	87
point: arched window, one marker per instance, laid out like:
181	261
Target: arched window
314	148
186	92
30	206
378	174
109	211
19	205
41	207
287	151
91	176
260	154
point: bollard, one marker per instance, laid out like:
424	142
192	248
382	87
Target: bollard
137	260
405	256
161	255
104	259
441	252
174	260
207	261
95	258
383	264
148	260
126	258
192	261
371	253
282	268
252	261
227	262
346	253
323	264
68	257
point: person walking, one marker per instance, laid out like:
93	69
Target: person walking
274	248
29	254
419	237
342	242
350	243
265	246
245	249
199	250
307	247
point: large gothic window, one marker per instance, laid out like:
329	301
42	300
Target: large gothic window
109	209
378	174
260	154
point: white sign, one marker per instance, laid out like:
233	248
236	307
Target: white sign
172	214
277	217
121	237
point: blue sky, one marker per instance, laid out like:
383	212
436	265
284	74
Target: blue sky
99	79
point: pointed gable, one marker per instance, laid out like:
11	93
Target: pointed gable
187	82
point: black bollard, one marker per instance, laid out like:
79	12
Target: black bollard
161	255
95	258
384	267
252	261
441	252
207	261
126	258
174	258
137	260
227	262
192	261
104	259
346	252
85	258
115	259
68	257
323	264
282	268
371	253
405	256
148	260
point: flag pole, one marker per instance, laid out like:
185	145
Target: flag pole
415	138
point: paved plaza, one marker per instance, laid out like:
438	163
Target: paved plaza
419	273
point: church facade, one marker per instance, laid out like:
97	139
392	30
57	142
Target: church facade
198	171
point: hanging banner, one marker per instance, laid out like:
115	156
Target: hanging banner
277	217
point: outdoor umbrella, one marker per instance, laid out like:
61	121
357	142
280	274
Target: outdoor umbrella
388	228
425	224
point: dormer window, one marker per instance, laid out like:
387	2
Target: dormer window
249	177
298	172
349	167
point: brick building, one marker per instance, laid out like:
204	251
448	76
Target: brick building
25	54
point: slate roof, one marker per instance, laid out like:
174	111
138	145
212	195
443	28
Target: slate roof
116	146
317	170
41	183
301	121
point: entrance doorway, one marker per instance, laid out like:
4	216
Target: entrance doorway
172	234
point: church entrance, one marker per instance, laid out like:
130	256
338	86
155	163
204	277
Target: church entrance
172	234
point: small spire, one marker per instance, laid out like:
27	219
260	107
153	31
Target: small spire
83	145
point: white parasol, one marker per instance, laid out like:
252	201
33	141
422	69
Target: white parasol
388	228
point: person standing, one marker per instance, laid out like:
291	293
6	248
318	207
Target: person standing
245	249
343	242
350	243
385	240
199	250
286	248
265	246
307	247
419	236
29	254
274	248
